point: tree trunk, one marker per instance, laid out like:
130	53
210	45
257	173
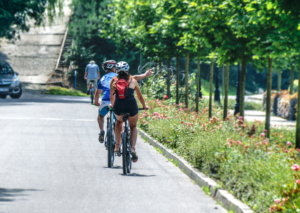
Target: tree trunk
242	86
298	114
177	79
211	76
279	81
292	78
169	78
187	78
226	84
160	65
268	100
198	83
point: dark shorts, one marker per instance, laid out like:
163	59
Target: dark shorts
125	106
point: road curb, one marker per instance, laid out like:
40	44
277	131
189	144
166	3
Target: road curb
228	200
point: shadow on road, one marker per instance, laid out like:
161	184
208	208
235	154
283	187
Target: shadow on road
3	57
137	175
25	100
114	167
7	195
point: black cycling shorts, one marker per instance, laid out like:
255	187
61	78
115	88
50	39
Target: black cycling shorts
122	107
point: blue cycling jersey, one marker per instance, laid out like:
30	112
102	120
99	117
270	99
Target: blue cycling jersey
105	86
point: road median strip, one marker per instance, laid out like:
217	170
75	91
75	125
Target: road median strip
227	200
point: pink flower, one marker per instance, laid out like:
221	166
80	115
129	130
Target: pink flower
156	113
141	117
288	143
277	201
295	167
157	100
165	97
265	130
262	135
169	117
298	182
144	122
203	125
271	210
241	118
180	109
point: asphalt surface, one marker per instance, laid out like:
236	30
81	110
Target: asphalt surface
51	161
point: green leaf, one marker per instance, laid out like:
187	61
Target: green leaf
269	6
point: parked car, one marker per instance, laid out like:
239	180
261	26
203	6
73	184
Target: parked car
9	82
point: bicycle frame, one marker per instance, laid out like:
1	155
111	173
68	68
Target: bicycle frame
126	146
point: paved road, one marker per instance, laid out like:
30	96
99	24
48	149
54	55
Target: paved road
51	161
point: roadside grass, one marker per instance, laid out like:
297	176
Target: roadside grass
205	88
235	153
249	105
64	91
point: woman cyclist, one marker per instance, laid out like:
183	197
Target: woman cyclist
126	104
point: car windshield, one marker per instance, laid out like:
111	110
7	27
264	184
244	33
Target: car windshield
5	69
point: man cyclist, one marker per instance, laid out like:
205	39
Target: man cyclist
92	72
104	85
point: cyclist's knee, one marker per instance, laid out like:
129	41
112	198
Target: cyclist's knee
119	122
133	127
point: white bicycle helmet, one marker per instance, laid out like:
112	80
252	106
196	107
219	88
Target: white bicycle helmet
108	65
122	66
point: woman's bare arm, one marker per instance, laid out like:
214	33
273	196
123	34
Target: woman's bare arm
112	95
139	95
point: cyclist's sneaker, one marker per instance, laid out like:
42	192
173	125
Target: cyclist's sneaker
101	136
134	157
118	153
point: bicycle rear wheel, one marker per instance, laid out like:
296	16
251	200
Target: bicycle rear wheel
124	153
128	156
92	98
110	148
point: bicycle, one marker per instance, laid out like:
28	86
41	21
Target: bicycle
110	141
126	147
92	91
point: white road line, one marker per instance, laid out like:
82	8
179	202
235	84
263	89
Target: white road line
48	119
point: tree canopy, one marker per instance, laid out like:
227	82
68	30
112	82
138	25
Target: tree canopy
14	14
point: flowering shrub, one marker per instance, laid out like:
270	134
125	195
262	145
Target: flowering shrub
290	198
283	103
234	152
156	86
